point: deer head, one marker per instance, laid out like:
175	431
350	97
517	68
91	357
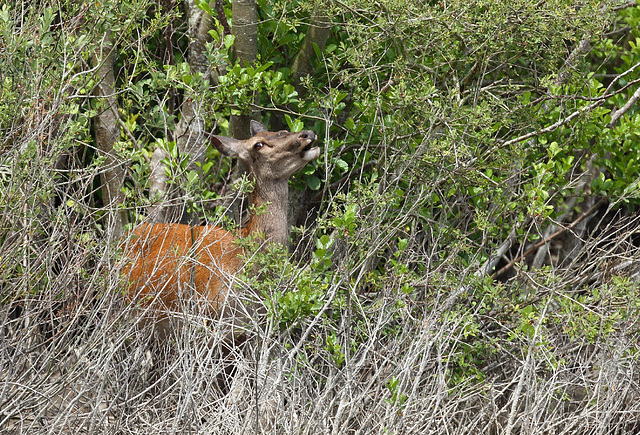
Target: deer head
270	156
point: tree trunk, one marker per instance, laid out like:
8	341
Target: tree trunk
245	31
317	34
191	127
107	131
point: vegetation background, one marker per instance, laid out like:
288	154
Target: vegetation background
464	257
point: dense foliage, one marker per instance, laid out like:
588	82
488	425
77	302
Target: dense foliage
464	256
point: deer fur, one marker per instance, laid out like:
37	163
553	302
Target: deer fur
169	262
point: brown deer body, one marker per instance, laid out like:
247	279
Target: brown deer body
168	262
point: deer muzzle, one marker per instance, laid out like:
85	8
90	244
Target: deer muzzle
306	139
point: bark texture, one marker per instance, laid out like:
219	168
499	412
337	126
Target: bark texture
107	132
245	31
191	127
317	34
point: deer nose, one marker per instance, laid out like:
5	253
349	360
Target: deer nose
307	134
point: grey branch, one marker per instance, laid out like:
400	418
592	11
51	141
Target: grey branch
615	116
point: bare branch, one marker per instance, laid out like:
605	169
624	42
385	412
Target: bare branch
587	213
615	116
625	5
502	249
586	109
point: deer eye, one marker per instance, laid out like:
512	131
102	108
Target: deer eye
258	145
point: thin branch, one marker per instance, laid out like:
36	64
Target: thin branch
537	245
555	125
598	102
615	116
583	48
493	261
627	5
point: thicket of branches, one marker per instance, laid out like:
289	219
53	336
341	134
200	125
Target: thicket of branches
464	257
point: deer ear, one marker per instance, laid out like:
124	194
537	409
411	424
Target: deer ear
256	127
227	146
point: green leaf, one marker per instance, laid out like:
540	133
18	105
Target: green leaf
313	182
402	244
553	149
204	5
350	124
342	165
308	170
228	41
316	49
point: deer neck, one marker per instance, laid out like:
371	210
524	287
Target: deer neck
271	201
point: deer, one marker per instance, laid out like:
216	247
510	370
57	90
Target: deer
166	263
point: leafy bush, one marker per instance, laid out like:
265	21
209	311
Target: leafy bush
464	257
